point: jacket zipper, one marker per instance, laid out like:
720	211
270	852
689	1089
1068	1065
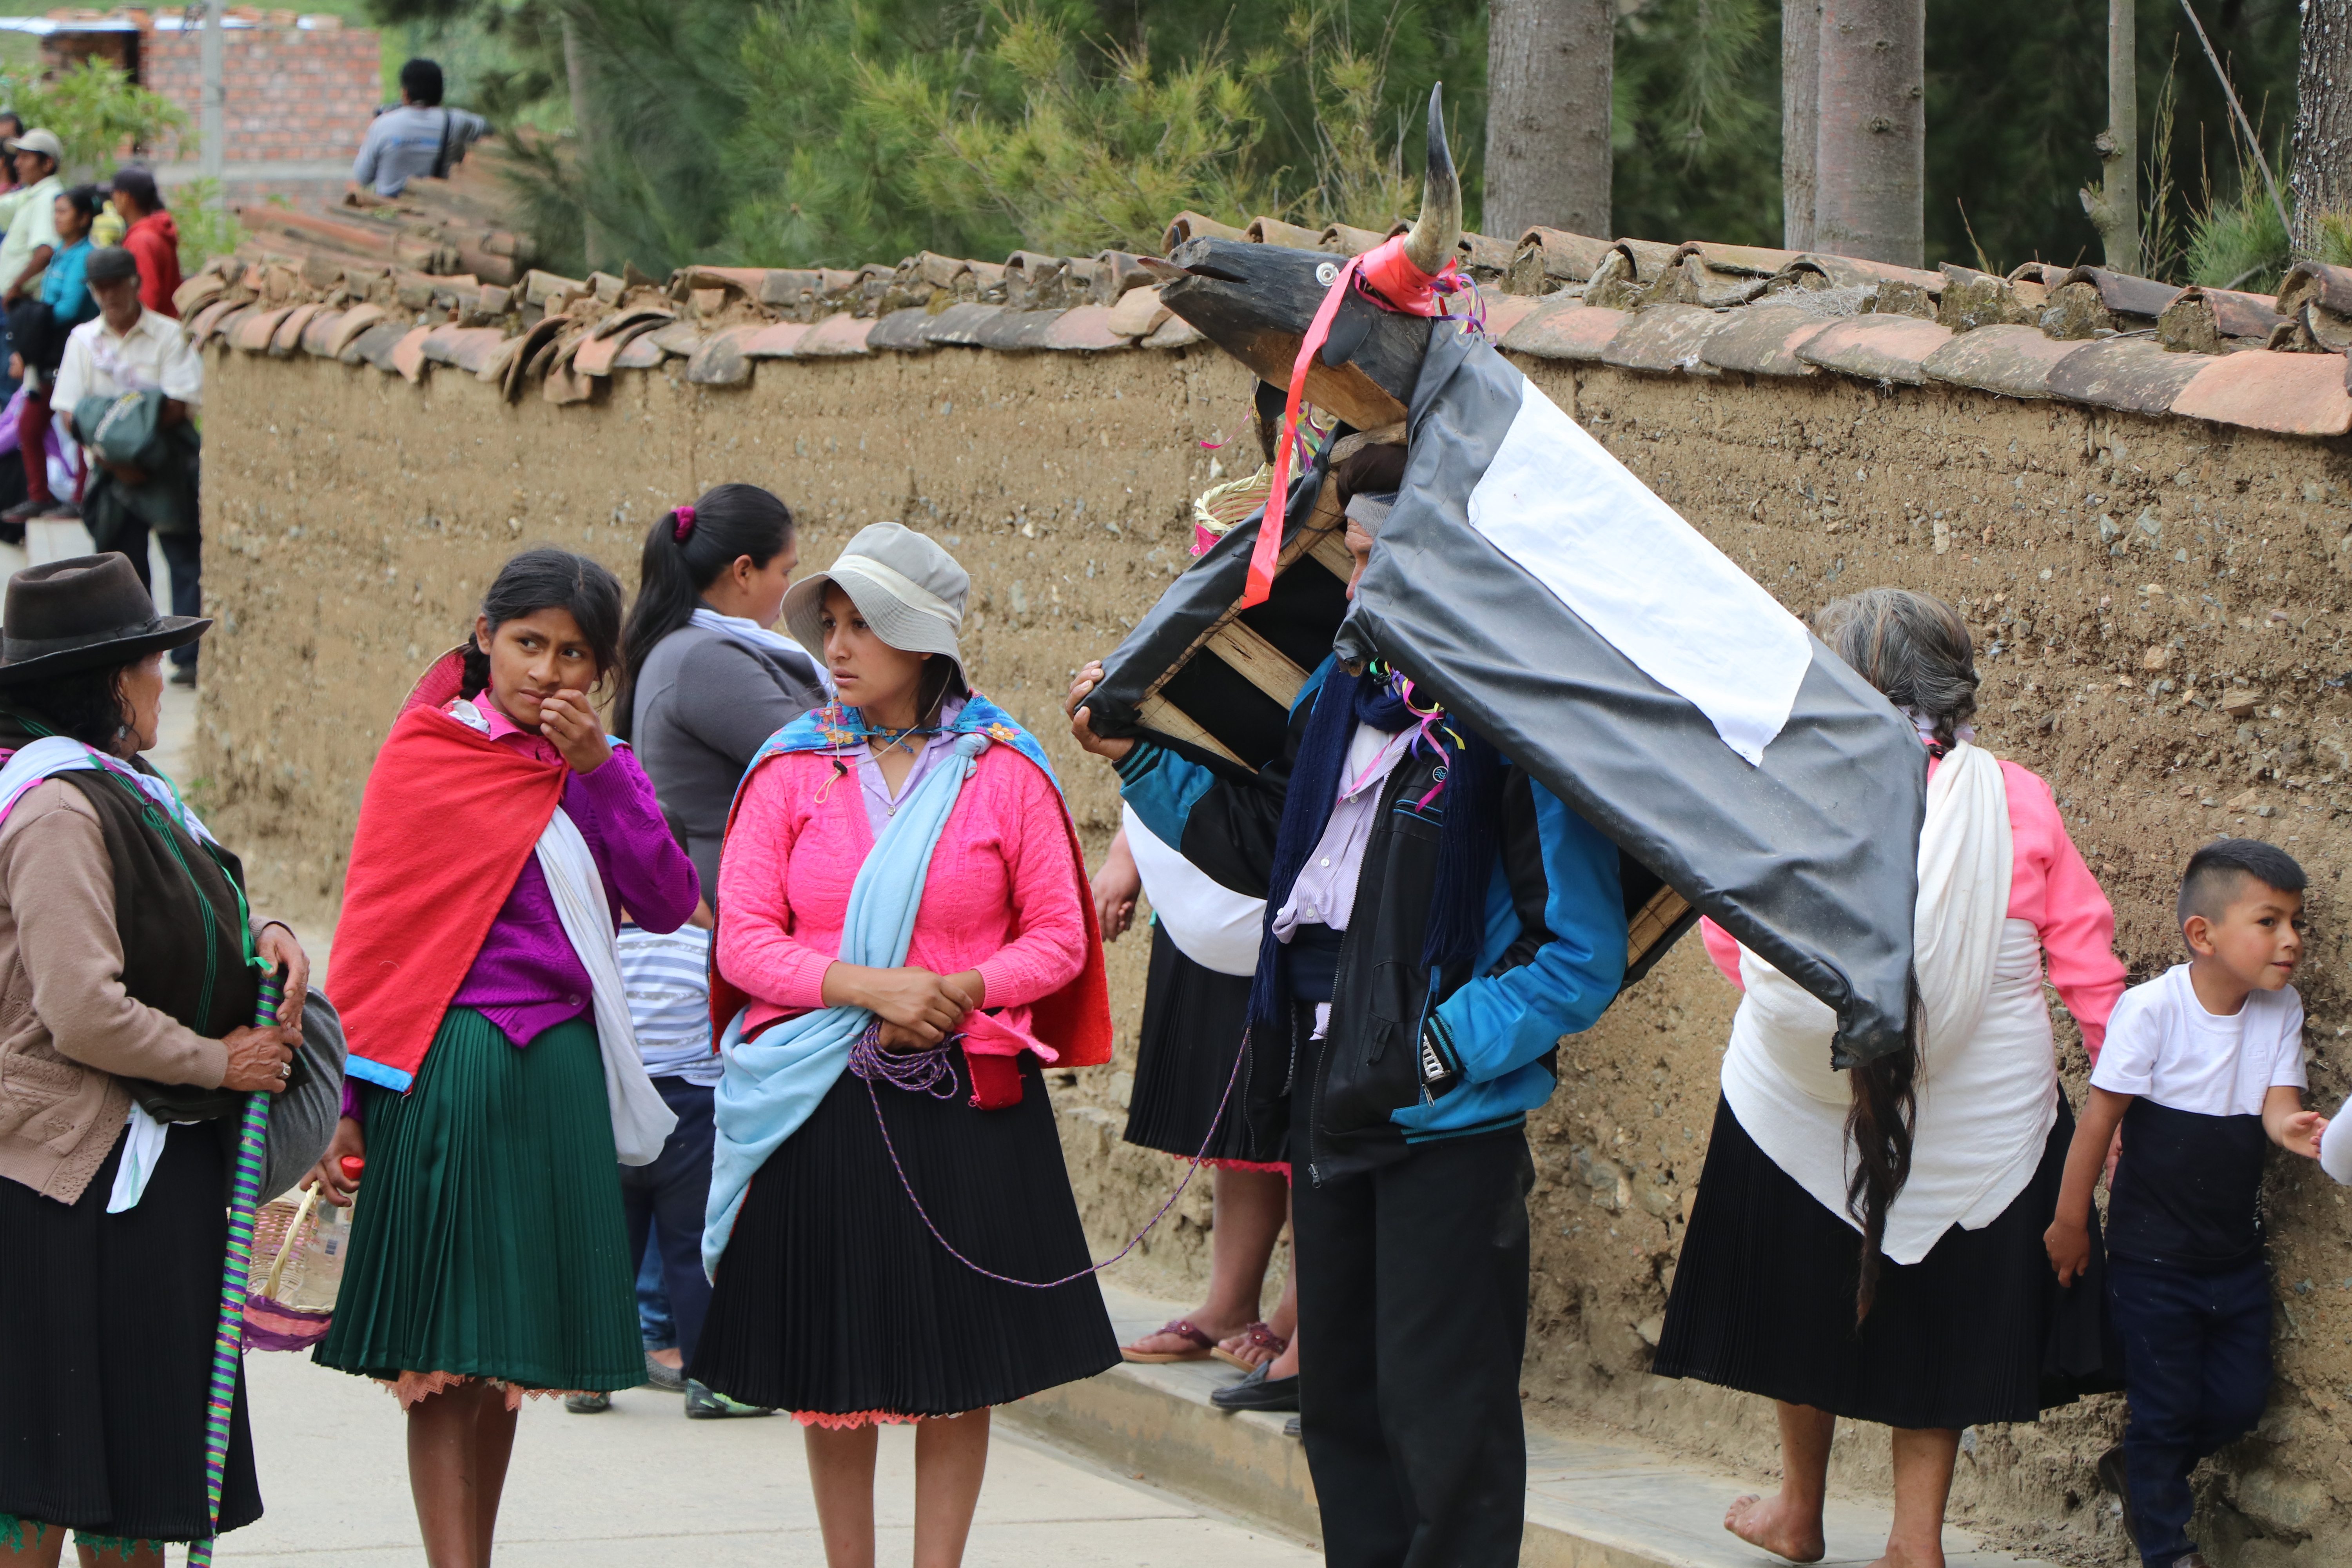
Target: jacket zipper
1393	789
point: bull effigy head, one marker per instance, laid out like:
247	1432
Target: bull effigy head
1255	302
1532	585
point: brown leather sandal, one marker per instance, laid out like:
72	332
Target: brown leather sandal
1183	1330
1257	1337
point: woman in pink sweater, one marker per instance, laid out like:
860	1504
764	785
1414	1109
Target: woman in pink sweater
912	811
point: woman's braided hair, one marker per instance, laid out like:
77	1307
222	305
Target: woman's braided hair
1915	649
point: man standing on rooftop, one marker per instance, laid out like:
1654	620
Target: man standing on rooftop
416	137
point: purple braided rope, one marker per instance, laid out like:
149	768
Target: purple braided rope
916	1072
939	1056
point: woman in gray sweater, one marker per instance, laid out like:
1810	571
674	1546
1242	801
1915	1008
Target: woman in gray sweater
705	682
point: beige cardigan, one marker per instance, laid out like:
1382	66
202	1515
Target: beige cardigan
67	1025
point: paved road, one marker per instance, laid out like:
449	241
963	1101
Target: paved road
643	1487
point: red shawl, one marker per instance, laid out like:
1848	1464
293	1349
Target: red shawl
448	819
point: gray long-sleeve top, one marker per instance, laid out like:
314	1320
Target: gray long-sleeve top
704	703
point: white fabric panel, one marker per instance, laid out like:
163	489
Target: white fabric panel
1214	926
1576	519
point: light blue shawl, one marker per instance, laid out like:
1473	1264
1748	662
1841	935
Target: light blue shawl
772	1084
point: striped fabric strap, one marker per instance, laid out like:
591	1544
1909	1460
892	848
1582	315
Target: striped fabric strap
228	1342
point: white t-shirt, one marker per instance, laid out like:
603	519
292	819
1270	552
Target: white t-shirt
2162	1045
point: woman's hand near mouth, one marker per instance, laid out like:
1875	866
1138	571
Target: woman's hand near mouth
569	720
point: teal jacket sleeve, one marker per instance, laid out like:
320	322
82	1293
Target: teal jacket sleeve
1563	967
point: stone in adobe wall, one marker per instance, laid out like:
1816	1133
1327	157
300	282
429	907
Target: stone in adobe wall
2061	529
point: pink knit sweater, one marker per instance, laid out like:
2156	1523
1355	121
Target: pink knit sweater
2049	888
1001	896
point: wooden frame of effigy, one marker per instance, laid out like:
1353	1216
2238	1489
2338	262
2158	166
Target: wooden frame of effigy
1222	695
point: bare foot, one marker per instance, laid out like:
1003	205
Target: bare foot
1776	1527
1911	1557
673	1359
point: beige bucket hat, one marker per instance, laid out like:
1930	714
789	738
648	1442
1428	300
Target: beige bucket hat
911	591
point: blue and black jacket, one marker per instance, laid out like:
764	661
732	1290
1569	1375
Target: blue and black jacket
1552	959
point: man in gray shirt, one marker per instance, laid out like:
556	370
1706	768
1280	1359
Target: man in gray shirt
417	138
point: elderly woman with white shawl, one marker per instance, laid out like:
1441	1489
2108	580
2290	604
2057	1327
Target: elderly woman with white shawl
1868	1244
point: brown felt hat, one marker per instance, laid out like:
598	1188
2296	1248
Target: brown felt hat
89	612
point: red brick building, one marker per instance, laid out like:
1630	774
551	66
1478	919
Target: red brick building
298	92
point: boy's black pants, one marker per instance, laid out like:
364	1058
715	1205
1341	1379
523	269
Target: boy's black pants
2197	1373
1412	1302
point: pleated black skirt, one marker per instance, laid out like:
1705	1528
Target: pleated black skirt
1191	1036
1977	1330
834	1300
106	1352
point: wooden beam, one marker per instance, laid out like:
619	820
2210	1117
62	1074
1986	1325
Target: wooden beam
1652	921
1259	661
1331	549
1172	722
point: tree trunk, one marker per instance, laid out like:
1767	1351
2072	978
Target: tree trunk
1801	104
2113	204
1549	66
1871	164
2322	121
583	118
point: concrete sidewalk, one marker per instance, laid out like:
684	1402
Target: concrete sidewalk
643	1487
1592	1502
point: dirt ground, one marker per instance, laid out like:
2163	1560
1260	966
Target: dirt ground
2159	608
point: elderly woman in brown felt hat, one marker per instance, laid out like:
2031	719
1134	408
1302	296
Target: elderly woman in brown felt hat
129	974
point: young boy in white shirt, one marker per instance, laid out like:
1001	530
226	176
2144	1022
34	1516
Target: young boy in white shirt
2202	1066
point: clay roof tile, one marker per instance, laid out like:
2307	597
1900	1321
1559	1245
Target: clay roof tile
721	361
2130	373
1190	225
1085	328
837	336
1763	340
1664	337
1877	347
2295	395
902	332
2012	360
1564	327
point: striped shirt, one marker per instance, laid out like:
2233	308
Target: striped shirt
667	979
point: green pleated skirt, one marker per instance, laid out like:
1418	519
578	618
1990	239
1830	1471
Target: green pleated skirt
488	1240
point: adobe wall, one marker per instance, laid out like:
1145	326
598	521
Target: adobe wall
2128	578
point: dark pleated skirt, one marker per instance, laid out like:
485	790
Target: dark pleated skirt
1192	1023
1977	1330
489	1239
106	1352
834	1300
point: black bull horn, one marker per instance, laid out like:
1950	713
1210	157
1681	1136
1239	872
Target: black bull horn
1256	302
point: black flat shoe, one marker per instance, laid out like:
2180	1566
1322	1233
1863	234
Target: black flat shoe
1259	1391
2116	1481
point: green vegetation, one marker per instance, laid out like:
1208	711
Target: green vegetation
96	112
803	131
207	228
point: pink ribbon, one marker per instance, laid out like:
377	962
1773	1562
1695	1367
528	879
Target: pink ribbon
1390	280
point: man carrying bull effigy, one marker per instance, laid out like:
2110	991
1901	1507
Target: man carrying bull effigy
1437	921
1553	726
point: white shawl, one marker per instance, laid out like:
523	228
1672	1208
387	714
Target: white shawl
1987	1079
641	1121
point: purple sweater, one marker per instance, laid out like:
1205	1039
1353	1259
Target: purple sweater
527	979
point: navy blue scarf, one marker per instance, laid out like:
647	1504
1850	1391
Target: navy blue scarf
1471	801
